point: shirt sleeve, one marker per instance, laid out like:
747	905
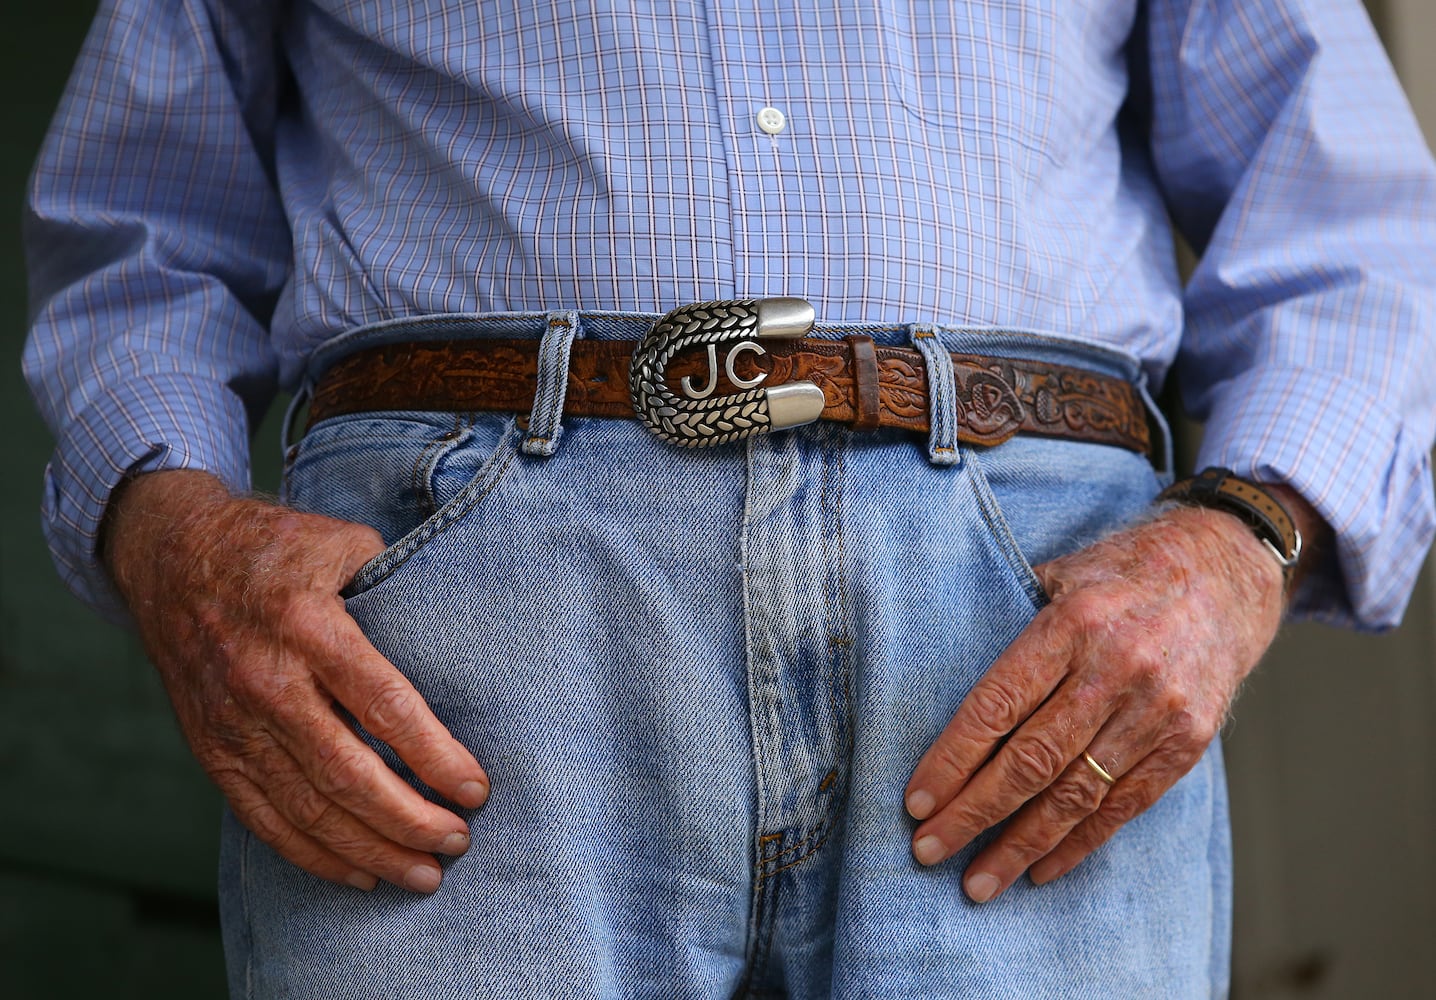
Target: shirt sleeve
157	248
1291	161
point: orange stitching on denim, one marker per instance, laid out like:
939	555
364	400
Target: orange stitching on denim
764	841
797	861
790	849
818	833
821	830
816	837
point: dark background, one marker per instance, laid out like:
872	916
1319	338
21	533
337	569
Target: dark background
108	830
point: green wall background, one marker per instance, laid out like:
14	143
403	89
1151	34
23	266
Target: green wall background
108	830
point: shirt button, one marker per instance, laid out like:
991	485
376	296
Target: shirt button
771	120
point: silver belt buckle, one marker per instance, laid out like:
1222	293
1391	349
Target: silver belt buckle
695	418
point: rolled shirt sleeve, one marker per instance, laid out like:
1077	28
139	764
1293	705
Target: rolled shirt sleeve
157	249
1290	159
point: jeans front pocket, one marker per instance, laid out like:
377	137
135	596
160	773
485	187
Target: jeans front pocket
1043	499
410	476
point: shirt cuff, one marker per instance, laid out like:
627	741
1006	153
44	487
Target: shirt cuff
150	423
1353	459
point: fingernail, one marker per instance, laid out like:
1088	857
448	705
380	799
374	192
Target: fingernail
473	794
361	880
920	804
1042	873
454	844
928	850
982	887
423	878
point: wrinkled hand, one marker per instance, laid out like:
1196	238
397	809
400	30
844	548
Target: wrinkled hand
237	601
1136	660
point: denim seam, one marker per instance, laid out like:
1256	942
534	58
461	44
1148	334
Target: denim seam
760	930
818	829
1000	533
820	832
840	638
840	645
824	831
770	921
758	894
483	483
817	836
246	840
318	443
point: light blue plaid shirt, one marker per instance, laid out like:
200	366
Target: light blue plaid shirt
229	184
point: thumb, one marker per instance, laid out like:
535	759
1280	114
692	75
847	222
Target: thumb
358	545
1049	575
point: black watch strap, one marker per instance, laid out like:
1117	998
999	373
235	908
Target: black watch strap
1220	489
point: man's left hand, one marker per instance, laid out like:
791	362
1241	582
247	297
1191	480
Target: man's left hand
1135	661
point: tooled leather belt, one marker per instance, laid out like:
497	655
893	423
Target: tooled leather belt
770	377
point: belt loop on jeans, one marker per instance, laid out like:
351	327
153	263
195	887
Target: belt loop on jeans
546	418
942	394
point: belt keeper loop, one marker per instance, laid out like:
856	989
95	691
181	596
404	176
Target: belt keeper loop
941	394
867	397
546	418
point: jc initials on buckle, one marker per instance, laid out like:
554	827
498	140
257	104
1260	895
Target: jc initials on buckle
694	417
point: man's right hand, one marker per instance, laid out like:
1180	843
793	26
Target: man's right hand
237	601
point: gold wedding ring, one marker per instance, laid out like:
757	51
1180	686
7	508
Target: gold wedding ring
1101	771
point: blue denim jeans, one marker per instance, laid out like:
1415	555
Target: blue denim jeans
699	681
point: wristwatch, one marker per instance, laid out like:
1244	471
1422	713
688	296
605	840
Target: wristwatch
1221	489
